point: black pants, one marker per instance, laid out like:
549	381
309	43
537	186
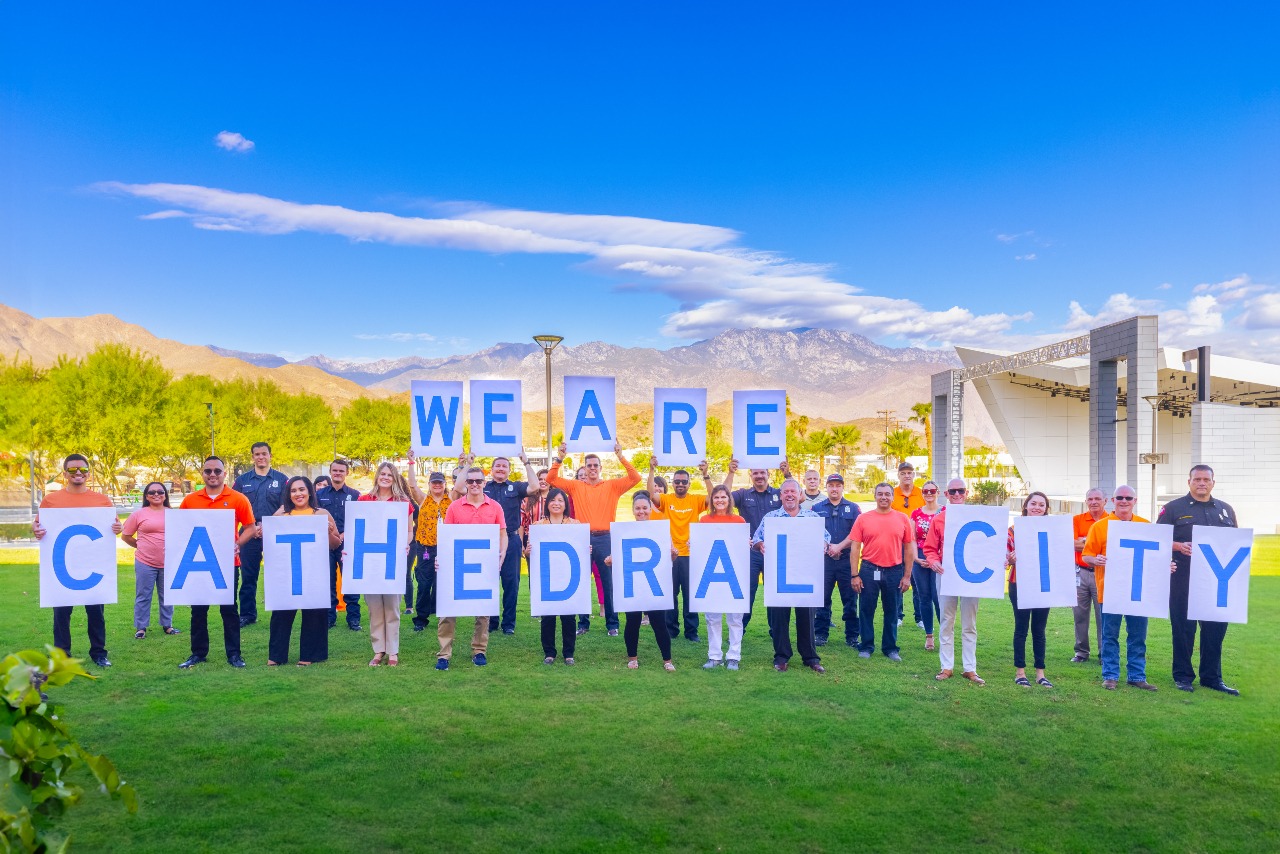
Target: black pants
836	576
657	622
885	591
95	615
200	629
1036	618
415	548
757	571
250	569
352	599
425	572
568	637
313	637
680	595
1184	633
600	546
509	577
780	626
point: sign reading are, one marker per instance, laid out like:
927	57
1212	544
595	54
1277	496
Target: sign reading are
759	428
77	557
591	414
680	426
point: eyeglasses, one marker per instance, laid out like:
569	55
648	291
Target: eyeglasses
928	492
77	470
592	465
157	493
213	471
475	480
1126	498
680	482
956	491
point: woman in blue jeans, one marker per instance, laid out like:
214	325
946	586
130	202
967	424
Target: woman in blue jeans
924	579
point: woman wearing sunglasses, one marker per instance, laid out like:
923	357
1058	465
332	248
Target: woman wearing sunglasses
924	579
313	640
144	531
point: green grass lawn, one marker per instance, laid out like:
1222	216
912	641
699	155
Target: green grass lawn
521	756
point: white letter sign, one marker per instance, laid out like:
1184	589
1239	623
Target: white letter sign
375	547
559	569
591	417
680	426
295	562
77	557
435	418
719	567
496	426
1136	578
759	429
199	557
973	551
467	571
641	564
793	565
1045	553
1219	587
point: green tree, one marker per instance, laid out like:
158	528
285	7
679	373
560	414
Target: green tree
922	414
899	445
25	416
374	429
846	438
719	451
821	443
870	478
183	428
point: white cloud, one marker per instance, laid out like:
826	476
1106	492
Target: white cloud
1163	286
232	141
396	336
1028	257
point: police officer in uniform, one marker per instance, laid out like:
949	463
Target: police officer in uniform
1197	507
839	514
752	506
334	498
265	489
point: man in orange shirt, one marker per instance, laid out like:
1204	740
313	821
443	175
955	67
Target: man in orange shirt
1086	585
1094	553
907	499
75	469
680	509
216	495
595	501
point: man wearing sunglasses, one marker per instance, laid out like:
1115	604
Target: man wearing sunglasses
1095	554
264	487
967	605
76	493
216	495
474	508
680	509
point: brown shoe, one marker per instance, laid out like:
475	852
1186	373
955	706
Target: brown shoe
945	674
1145	686
816	668
974	677
1109	684
781	668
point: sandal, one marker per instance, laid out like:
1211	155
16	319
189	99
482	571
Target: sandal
1045	682
393	660
304	663
570	662
632	664
928	643
945	674
170	630
550	659
1023	681
973	677
669	666
377	659
140	634
271	663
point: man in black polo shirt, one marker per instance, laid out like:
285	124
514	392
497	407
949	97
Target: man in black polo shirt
334	498
510	494
839	514
264	487
752	506
1197	507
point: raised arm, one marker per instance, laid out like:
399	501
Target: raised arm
728	477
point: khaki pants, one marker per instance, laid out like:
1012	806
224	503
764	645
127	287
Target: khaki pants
968	606
384	622
1086	601
479	637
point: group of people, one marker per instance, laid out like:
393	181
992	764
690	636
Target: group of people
871	559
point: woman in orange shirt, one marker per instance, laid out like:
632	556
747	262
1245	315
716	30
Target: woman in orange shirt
1035	504
313	640
722	511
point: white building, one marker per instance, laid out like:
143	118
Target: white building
1079	413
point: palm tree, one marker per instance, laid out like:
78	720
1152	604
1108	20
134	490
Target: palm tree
847	437
923	415
899	445
821	442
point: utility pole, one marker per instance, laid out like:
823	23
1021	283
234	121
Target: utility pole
334	425
887	414
212	441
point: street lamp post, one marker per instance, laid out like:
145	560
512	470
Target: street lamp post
334	425
548	343
213	449
1154	400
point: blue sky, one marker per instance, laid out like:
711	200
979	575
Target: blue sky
929	175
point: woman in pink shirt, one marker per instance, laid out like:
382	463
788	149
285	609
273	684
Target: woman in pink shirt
144	531
924	579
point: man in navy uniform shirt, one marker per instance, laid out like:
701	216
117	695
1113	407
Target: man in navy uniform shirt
334	498
1197	507
752	506
510	495
839	514
264	487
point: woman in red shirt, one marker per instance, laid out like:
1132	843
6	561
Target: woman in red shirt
1035	504
924	579
722	511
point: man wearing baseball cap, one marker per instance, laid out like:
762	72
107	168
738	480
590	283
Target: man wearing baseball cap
431	509
839	514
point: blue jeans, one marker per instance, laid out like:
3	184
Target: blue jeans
886	591
925	582
1135	647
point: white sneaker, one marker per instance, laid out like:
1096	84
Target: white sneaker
899	623
919	624
711	664
731	664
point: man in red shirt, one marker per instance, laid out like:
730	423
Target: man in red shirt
216	495
883	545
77	493
967	605
475	508
1086	584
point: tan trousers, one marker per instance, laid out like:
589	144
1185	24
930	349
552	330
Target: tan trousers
479	638
384	622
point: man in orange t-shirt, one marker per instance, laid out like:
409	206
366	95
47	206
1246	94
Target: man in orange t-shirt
75	469
216	495
1087	599
680	509
595	501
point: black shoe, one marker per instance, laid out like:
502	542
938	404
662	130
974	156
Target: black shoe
192	662
819	641
508	631
613	633
1185	686
693	638
247	621
852	643
1220	686
333	623
355	627
1079	659
417	628
101	660
235	661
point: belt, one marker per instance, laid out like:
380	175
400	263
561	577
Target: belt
1086	568
600	533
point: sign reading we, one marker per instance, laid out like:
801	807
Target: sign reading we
435	418
496	418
